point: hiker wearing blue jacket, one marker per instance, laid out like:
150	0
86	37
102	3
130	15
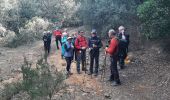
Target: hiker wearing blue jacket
68	54
63	40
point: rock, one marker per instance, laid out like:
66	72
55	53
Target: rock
107	96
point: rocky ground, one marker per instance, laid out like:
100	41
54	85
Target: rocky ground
146	77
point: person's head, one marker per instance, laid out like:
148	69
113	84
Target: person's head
45	33
65	30
121	29
75	34
111	33
69	39
81	33
93	32
57	28
48	32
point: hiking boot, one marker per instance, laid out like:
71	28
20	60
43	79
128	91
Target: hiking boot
84	69
89	73
78	72
96	74
70	73
116	83
110	80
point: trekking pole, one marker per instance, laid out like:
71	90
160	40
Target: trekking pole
103	68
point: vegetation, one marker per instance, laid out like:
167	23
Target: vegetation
40	82
154	15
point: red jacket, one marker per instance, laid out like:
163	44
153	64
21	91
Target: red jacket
113	47
57	33
80	42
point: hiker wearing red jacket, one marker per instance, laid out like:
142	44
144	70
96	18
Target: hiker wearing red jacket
57	33
112	50
81	46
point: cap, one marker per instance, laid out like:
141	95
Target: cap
69	37
93	31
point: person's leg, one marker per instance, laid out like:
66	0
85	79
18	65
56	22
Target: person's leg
78	61
83	60
57	39
115	72
91	63
96	62
60	40
68	64
111	70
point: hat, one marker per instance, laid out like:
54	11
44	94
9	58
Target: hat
69	37
93	31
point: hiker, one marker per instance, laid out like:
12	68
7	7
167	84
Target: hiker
47	41
123	46
57	33
74	36
81	46
68	46
94	45
112	50
63	40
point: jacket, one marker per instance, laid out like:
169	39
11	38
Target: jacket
68	50
123	43
57	33
95	41
63	40
80	42
113	47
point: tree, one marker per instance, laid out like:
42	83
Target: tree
154	15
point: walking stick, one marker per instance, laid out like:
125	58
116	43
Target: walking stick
103	68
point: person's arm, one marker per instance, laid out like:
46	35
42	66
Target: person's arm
89	43
100	43
111	47
77	44
66	48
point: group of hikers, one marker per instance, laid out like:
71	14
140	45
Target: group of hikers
73	48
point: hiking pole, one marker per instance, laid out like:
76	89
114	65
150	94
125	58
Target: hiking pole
103	68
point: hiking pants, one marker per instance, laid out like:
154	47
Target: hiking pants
47	46
114	71
58	38
122	56
68	61
81	58
94	55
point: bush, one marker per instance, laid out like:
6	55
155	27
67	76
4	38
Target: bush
39	82
154	15
32	31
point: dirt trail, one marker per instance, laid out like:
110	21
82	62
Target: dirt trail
145	78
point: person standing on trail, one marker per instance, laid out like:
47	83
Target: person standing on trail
112	50
47	41
68	46
57	33
123	46
94	45
81	46
74	36
63	40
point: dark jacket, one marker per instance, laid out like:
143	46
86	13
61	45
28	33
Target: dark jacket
123	43
47	39
95	41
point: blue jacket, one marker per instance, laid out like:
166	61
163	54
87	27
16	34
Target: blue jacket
63	40
68	50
